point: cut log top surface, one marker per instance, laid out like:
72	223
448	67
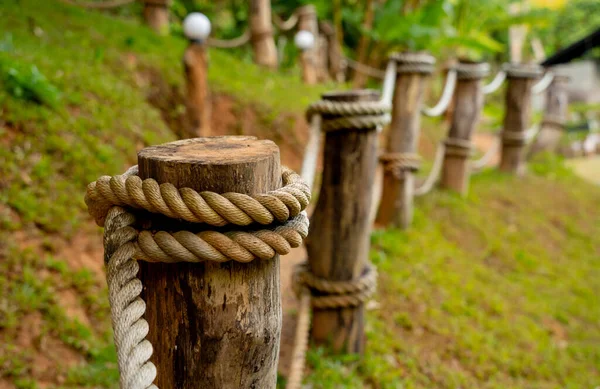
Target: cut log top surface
243	164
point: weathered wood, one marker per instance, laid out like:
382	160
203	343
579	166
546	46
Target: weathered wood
156	15
468	104
338	244
195	61
307	21
214	325
555	116
335	56
322	59
517	119
261	34
396	205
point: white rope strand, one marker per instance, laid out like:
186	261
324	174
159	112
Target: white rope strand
434	174
442	105
389	83
229	43
482	162
495	84
543	84
311	153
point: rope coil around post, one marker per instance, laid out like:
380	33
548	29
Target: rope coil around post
324	294
126	242
398	163
229	43
434	173
456	147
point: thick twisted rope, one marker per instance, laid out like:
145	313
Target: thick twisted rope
543	84
124	245
398	163
300	342
198	207
456	147
495	84
413	62
287	24
523	70
447	93
229	43
472	71
434	173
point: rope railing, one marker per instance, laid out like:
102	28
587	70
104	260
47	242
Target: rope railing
447	93
434	173
229	43
495	84
478	164
365	69
285	25
543	84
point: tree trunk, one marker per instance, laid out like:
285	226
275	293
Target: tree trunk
156	15
468	104
555	116
214	325
261	32
195	63
307	21
338	245
517	120
360	79
396	206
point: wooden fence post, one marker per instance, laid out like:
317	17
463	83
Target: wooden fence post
336	68
396	206
156	15
195	62
261	34
307	21
517	117
214	325
338	244
555	116
468	104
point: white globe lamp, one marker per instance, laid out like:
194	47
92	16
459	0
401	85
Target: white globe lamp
196	26
304	40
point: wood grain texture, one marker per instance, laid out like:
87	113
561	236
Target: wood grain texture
396	206
555	116
517	118
468	104
195	62
338	243
214	325
261	33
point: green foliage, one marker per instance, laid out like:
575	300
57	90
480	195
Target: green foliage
27	83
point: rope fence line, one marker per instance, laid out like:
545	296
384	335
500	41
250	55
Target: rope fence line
126	242
365	69
434	173
447	93
99	4
543	84
478	164
495	84
285	25
230	43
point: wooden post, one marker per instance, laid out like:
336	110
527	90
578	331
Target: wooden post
517	117
555	116
322	59
468	104
307	21
396	206
338	243
336	68
261	34
214	325
195	61
156	15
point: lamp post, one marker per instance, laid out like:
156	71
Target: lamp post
196	27
305	41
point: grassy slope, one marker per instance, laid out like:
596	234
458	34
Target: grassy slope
496	291
515	308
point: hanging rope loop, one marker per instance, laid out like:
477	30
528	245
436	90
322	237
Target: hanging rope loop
447	93
229	43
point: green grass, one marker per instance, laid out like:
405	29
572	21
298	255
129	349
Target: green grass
497	290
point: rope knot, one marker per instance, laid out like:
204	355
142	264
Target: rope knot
456	147
398	163
335	294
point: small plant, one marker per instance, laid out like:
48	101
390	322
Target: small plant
28	83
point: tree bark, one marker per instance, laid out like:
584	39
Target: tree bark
468	104
555	116
195	61
156	15
396	206
214	325
517	119
338	245
360	79
261	32
307	21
